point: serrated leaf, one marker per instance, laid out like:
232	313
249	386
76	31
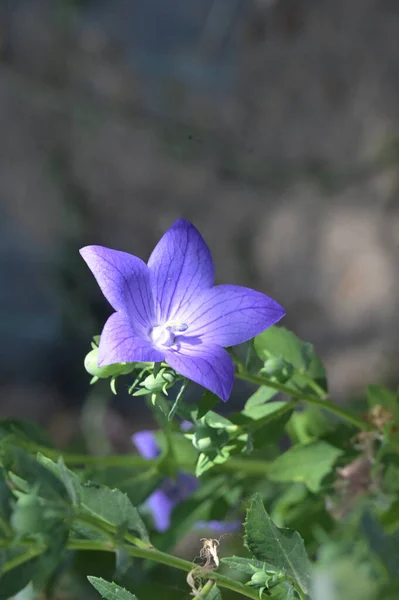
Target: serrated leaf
37	477
110	591
283	548
308	463
114	507
71	480
280	343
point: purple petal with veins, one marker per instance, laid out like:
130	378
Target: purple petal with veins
170	310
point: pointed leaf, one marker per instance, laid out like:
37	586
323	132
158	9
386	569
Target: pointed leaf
114	507
110	591
308	463
283	548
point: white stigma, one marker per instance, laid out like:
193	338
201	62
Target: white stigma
165	335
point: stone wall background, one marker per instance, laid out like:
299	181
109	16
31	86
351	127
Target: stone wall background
273	125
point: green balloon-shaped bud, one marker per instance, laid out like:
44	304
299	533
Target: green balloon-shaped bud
91	366
260	578
202	439
207	439
278	369
162	380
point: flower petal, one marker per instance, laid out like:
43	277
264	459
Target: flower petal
228	315
208	365
182	265
222	526
118	343
124	280
146	444
161	507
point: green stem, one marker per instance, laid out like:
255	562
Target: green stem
165	559
109	530
250	467
299	591
207	588
340	412
31	552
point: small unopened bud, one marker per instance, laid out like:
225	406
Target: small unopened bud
91	366
278	369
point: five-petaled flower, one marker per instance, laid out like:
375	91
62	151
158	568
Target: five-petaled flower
172	492
170	310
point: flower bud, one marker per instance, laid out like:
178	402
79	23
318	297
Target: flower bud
278	369
91	366
260	578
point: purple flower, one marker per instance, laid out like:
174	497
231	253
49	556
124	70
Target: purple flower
173	492
170	310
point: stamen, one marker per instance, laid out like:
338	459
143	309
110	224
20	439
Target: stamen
180	327
164	335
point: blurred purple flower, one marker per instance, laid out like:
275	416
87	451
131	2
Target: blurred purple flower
170	310
173	492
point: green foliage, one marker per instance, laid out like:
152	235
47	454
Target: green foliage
308	463
330	486
287	359
283	548
110	591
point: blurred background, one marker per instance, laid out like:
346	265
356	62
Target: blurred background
272	124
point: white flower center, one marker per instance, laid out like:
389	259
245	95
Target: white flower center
165	335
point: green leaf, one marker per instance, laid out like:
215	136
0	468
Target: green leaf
283	548
309	424
262	395
308	464
13	580
210	460
136	483
246	565
263	411
278	342
390	518
110	591
71	481
5	499
207	402
214	594
344	574
386	547
380	396
25	430
113	506
36	476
